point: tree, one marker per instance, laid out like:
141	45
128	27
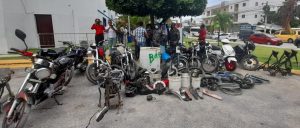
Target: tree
159	8
224	20
123	20
287	13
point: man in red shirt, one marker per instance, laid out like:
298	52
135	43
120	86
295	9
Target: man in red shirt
202	35
99	35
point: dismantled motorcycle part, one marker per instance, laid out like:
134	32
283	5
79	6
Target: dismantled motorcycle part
204	91
101	113
231	89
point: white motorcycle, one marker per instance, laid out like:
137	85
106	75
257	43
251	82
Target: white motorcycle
225	54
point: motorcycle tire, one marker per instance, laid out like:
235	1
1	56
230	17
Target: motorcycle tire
183	65
92	68
247	83
84	66
194	62
210	61
89	73
249	63
23	112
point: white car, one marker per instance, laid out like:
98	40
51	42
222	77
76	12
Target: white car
229	36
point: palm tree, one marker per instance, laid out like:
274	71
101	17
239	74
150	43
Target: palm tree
223	20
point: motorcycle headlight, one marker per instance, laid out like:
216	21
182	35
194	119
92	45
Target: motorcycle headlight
42	73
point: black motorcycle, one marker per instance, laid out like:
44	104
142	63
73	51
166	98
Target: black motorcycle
244	57
79	54
46	79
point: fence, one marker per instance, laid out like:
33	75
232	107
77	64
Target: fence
54	39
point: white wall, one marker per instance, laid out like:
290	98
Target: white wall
3	42
68	16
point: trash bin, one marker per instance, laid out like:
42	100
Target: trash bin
129	39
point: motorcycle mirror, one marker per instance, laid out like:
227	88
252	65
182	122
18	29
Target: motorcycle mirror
22	36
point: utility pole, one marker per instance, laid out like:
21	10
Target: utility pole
266	19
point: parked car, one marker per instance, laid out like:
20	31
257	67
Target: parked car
194	31
262	38
287	36
229	36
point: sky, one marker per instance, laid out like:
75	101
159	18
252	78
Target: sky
213	2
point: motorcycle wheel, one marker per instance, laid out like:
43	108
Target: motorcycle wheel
19	116
194	62
92	72
177	68
68	75
84	66
210	64
249	63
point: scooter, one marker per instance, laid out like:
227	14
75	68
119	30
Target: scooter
225	54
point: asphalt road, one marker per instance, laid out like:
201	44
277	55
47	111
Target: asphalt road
274	105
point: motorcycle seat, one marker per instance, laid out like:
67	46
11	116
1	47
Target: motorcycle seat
216	48
60	50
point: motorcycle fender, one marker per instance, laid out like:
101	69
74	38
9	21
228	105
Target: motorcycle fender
229	59
7	105
23	95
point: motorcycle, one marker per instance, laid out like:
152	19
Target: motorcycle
225	55
244	57
94	70
79	54
46	79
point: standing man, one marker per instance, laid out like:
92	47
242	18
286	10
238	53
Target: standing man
99	35
202	34
202	37
111	34
140	36
174	38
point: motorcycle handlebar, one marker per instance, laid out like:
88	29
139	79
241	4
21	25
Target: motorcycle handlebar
17	50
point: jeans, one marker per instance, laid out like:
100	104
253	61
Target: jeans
111	42
162	49
138	48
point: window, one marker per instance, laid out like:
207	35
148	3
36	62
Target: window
230	7
208	13
256	3
243	16
244	4
255	16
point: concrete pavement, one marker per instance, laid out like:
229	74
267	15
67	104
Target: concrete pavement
274	105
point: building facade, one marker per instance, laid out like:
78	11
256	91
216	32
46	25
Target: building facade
242	11
48	21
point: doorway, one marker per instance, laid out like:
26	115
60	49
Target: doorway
45	30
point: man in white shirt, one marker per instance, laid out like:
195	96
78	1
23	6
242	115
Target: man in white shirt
111	34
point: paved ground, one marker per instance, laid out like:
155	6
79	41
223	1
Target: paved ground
275	105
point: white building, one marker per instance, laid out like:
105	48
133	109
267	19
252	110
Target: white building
47	21
243	11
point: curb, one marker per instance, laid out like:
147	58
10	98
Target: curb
21	63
